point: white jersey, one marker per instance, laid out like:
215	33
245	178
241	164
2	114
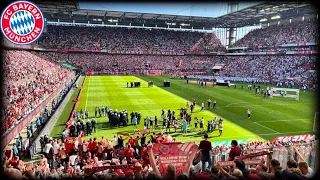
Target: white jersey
202	104
47	148
115	140
56	148
249	111
220	126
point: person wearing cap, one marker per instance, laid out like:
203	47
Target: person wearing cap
206	148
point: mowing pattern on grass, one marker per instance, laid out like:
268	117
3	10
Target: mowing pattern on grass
270	118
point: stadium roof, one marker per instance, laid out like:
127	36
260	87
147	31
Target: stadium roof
69	11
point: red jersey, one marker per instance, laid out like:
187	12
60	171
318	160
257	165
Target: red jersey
129	153
136	142
94	145
90	146
131	142
144	153
13	162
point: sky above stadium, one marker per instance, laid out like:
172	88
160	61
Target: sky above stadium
213	9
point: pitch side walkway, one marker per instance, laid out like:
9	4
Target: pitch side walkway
51	122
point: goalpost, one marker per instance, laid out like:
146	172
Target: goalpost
315	121
283	92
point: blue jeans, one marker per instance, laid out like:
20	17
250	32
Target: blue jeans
51	165
206	157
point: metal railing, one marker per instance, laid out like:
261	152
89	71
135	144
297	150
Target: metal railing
282	153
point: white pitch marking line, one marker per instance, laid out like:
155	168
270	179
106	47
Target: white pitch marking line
87	93
297	132
266	127
272	104
284	120
236	103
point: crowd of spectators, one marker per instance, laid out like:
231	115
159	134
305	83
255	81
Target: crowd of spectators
266	67
29	80
278	49
295	32
104	62
74	159
209	43
120	38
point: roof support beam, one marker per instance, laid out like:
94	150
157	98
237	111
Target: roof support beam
122	16
105	14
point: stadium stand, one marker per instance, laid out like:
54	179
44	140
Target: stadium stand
30	80
296	32
33	76
127	39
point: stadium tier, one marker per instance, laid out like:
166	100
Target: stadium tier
128	39
29	81
296	32
89	101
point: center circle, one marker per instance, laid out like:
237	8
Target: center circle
22	22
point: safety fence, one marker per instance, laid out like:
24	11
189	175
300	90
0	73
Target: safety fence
282	153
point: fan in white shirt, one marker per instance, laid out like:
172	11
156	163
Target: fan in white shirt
47	148
72	159
169	138
56	147
115	140
76	145
85	146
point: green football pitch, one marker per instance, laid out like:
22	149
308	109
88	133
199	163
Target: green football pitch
269	118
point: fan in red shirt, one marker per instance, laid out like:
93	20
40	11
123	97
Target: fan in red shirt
131	141
235	150
129	152
90	146
159	138
94	145
14	161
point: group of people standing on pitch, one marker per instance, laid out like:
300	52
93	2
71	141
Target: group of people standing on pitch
193	104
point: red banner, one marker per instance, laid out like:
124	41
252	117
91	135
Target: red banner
138	132
304	137
172	153
123	134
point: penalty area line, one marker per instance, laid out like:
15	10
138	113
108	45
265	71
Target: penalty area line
266	134
265	127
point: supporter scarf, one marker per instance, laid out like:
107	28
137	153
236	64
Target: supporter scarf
262	153
231	163
92	169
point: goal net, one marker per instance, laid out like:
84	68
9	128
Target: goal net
285	93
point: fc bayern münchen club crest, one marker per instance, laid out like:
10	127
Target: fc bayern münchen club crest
22	22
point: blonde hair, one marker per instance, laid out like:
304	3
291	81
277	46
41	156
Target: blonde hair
237	173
